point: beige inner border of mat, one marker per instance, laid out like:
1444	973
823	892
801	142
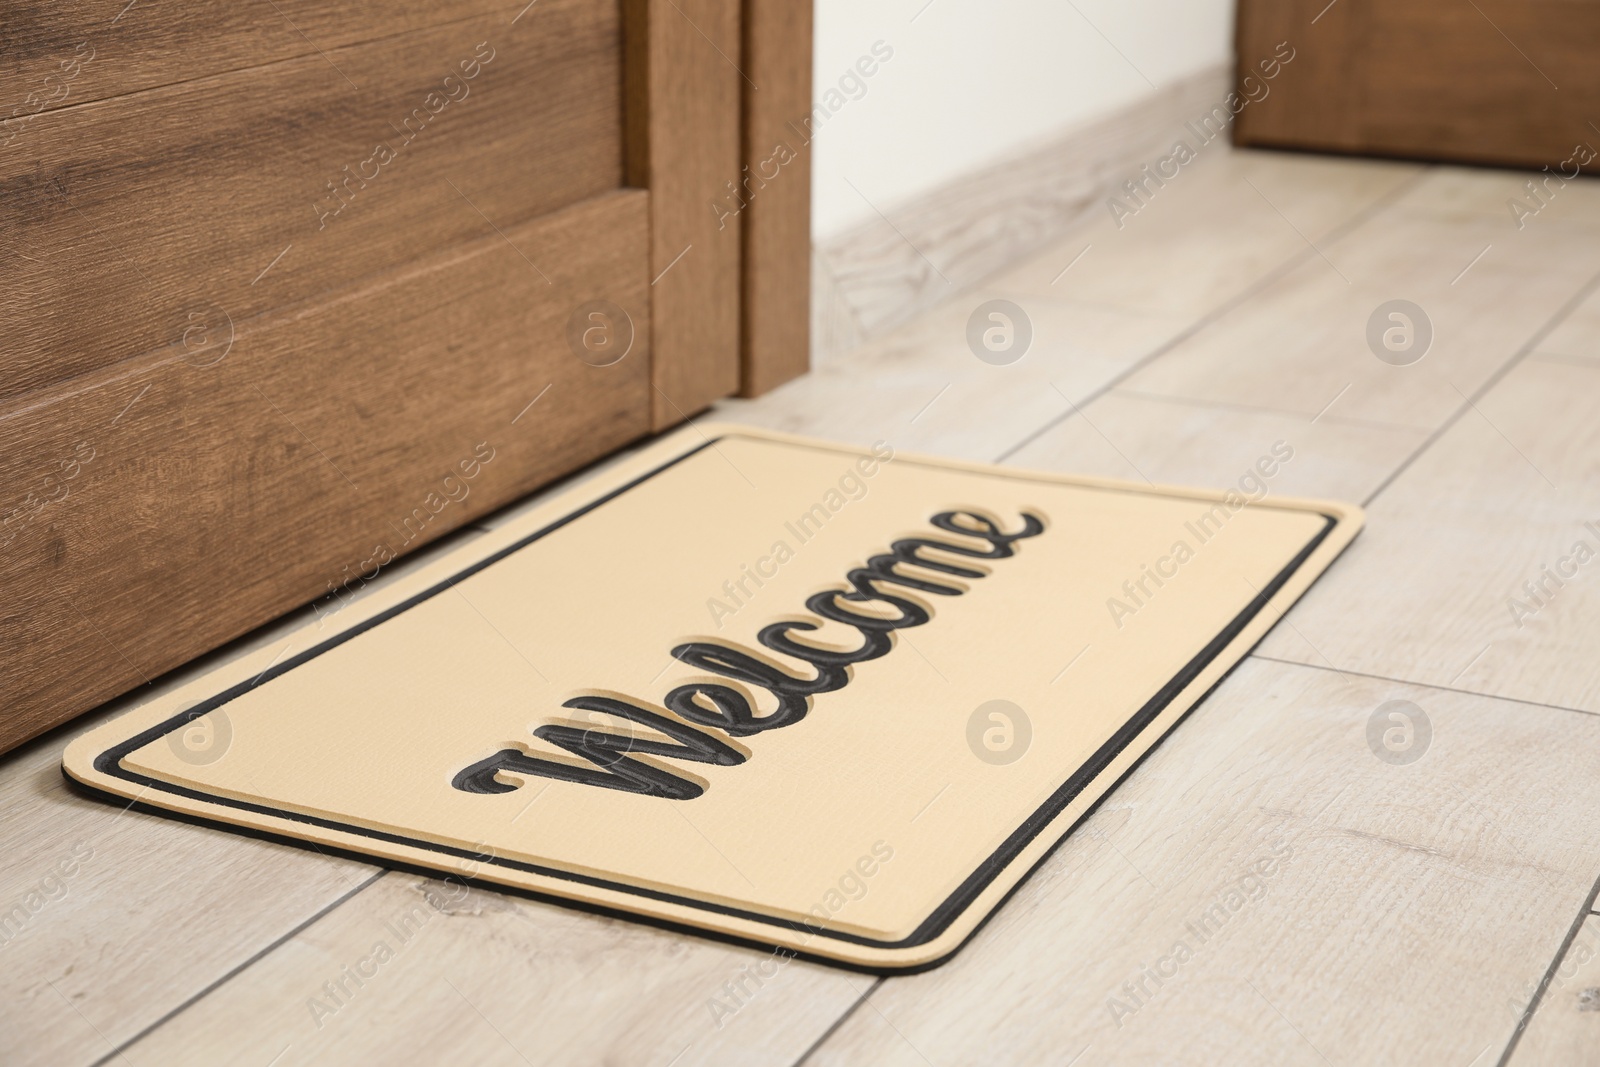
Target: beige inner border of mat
874	945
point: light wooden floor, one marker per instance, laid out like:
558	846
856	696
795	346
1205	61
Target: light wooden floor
1435	912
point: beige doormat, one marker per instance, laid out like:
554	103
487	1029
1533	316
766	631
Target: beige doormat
834	700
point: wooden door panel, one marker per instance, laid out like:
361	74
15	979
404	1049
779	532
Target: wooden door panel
141	45
1496	99
172	502
125	215
1510	82
1302	110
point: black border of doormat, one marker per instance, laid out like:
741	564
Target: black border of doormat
109	762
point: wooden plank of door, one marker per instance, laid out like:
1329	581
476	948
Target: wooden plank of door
681	84
125	216
1505	82
61	53
171	502
774	195
1316	99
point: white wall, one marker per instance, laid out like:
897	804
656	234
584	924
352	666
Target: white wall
971	81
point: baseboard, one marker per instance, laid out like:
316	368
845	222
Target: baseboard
871	279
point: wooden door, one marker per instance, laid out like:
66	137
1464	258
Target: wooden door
289	289
1512	82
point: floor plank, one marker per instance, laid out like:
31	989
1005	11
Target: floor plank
1302	341
125	916
1434	590
1200	245
1227	220
1473	861
922	389
1578	336
477	976
114	918
1137	437
1479	194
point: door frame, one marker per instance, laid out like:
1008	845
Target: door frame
716	105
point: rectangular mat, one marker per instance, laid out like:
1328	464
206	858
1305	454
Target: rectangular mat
834	700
